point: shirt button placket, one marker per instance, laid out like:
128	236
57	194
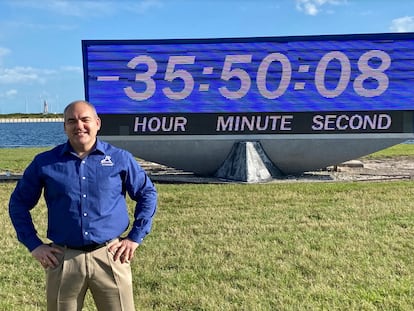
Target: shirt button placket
83	191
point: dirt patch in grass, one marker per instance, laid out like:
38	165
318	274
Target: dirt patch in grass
381	169
365	169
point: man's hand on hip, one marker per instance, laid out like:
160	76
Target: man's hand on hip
45	254
123	250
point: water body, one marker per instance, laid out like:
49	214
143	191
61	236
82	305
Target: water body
13	135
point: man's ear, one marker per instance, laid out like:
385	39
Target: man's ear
98	122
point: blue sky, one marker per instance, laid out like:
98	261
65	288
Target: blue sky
40	40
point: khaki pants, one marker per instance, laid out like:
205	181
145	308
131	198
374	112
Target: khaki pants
109	282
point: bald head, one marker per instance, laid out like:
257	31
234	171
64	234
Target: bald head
74	103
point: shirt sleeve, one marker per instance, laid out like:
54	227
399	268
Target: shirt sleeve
24	198
141	189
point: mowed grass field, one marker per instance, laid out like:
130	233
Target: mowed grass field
276	246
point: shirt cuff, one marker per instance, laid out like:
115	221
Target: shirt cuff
33	243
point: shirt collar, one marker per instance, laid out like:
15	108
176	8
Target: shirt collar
99	147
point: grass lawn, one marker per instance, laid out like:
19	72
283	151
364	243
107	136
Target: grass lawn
279	246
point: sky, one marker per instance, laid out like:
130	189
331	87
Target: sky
41	49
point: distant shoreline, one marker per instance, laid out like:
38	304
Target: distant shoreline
19	115
30	120
31	117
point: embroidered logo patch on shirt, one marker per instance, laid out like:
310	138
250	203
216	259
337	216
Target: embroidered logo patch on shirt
107	161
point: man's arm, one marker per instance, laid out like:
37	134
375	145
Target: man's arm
24	197
145	208
141	189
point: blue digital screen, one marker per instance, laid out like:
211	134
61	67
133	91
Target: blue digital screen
371	72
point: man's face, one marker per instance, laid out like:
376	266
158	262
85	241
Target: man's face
81	126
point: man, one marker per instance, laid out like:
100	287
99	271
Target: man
84	183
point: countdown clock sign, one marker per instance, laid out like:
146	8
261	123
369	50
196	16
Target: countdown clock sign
241	88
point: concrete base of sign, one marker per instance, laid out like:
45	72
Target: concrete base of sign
292	154
247	162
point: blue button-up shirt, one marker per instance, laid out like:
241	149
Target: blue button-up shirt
86	198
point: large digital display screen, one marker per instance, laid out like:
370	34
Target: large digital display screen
335	83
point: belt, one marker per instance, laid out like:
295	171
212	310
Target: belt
90	247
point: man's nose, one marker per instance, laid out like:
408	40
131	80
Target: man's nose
79	124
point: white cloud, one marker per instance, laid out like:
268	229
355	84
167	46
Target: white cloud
38	26
24	75
3	52
402	24
68	8
9	93
74	69
144	6
314	7
30	75
88	8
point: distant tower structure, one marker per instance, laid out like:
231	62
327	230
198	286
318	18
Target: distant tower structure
45	107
